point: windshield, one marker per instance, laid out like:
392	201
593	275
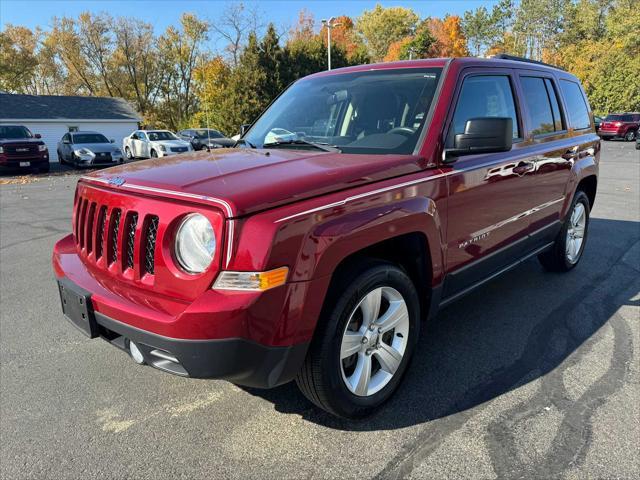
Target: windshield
161	135
373	112
211	134
14	131
90	138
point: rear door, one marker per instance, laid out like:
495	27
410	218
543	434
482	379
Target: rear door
489	194
553	148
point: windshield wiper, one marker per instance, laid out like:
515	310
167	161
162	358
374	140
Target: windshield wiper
242	141
320	146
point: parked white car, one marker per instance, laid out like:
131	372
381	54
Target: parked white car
152	144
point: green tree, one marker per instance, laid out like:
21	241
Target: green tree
18	59
178	53
381	27
478	29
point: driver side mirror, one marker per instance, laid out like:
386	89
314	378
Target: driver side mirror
244	128
112	140
482	135
37	135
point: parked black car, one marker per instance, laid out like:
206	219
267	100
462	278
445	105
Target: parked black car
200	137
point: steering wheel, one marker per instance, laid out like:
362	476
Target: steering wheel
406	131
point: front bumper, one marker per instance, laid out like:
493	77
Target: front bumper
14	162
223	335
234	359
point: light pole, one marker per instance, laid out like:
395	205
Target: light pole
329	24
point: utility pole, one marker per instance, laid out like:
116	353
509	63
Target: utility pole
329	24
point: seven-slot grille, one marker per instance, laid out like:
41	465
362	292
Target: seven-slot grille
112	233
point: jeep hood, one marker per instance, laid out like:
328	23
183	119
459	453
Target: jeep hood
250	180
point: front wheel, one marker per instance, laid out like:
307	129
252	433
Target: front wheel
630	136
569	244
364	341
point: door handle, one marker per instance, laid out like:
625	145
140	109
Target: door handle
570	154
523	167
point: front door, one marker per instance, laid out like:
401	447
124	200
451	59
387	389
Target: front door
489	204
141	145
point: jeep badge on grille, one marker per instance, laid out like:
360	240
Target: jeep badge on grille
117	181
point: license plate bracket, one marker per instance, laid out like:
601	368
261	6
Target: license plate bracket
25	164
77	307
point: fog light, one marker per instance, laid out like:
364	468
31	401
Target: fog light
136	354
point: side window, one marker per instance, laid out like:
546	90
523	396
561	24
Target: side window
484	96
542	104
555	105
65	138
576	105
142	136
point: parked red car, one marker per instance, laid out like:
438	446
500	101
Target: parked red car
620	125
314	256
21	149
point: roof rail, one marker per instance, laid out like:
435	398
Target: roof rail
505	56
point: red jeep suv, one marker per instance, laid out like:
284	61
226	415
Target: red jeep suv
359	203
620	125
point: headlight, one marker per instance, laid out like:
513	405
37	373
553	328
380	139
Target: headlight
1	150
84	154
163	148
195	243
42	148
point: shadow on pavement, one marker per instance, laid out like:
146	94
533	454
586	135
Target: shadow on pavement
500	337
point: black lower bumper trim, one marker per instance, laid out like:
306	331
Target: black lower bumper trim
237	360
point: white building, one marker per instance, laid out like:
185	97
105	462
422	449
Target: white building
52	116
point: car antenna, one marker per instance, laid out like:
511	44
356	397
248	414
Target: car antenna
206	108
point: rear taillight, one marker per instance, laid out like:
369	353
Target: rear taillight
618	124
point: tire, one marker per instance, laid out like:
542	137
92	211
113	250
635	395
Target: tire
559	258
61	158
329	381
127	152
630	136
154	154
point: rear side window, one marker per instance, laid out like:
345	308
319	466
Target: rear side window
542	105
576	105
484	96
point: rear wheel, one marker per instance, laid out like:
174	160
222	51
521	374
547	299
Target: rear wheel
154	154
630	136
127	152
569	245
364	341
61	158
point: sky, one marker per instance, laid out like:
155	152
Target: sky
162	13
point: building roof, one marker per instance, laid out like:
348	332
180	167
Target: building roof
53	107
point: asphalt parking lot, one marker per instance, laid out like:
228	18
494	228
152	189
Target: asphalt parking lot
536	375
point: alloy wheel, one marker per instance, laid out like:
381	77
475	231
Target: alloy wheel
575	233
374	341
